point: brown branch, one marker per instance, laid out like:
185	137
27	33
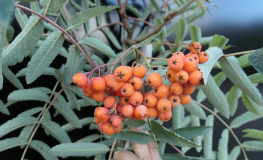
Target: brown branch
146	22
165	8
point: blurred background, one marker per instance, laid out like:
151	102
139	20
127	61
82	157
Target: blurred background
240	21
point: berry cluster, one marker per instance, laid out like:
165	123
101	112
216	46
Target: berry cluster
126	83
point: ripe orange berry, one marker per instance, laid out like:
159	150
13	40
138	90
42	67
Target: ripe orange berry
181	54
127	89
185	99
163	105
102	114
110	102
118	129
150	100
118	93
108	128
79	79
115	120
139	71
127	110
98	84
165	116
141	112
203	57
101	126
99	95
113	84
130	71
153	112
136	98
124	100
107	77
147	93
195	47
174	100
118	108
121	74
196	78
134	117
170	75
87	89
154	79
175	63
161	91
188	88
136	83
181	77
176	88
96	120
189	64
194	56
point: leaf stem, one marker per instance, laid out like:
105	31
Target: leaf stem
112	148
239	53
178	150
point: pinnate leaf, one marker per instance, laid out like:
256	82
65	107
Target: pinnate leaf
133	137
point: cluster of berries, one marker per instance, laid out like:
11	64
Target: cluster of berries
126	84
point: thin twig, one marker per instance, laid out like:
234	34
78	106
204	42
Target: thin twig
178	150
112	148
165	8
141	20
123	8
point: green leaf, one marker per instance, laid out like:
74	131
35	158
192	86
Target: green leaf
89	138
27	0
148	10
195	122
181	32
30	112
170	156
21	18
148	40
185	121
194	131
133	137
72	63
163	33
195	33
255	146
195	109
79	149
58	73
15	123
24	42
11	143
169	136
78	91
234	153
232	98
218	41
43	149
56	131
134	11
98	45
256	78
135	123
101	156
52	6
35	6
6	10
97	3
26	132
156	5
28	95
244	118
205	68
208	138
8	74
251	105
3	28
253	133
243	61
111	38
223	146
81	17
3	108
255	60
216	97
85	121
238	77
44	56
72	99
48	71
65	110
10	33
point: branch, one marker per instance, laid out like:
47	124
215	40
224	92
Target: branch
112	148
165	8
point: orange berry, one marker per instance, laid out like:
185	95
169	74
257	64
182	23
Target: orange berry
161	91
185	99
139	71
79	79
141	112
188	88
147	93
108	128
181	54
176	88
163	105
181	77
174	100
136	98
136	83
118	93
195	47
130	71
194	56
118	129
113	84
134	117
102	114
101	126
127	110
99	95
127	89
115	121
165	116
175	63
196	78
87	89
170	75
203	57
118	108
153	112
107	77
98	84
189	64
150	100
96	120
110	102
154	79
111	92
124	100
121	74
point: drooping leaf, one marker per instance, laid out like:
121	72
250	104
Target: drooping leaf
3	108
30	112
243	61
11	143
244	118
28	95
234	153
81	17
251	105
195	109
195	33
133	137
111	38
98	45
147	40
134	11
181	32
191	132
170	156
216	97
56	131
218	41
3	28
256	78
223	146
24	42
6	9
8	74
255	60
255	146
135	123
9	33
79	149
208	138
169	136
156	5
44	56
89	138
72	98
16	123
48	71
52	6
253	133
43	149
65	110
232	98
85	121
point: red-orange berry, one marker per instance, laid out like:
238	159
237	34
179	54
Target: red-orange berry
115	121
175	63
154	79
188	88
170	75
195	47
139	71
136	83
130	71
121	74
79	79
96	120
118	108
174	100
118	129
141	112
196	78
124	100
203	57
189	64
102	114
161	91
118	93
165	116
110	102
176	88
127	89
99	96
163	105
185	99
150	100
108	128
113	84
87	89
101	126
181	77
153	112
136	98
98	84
181	54
194	56
127	110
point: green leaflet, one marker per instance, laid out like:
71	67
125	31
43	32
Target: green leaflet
48	71
256	78
148	10
223	146
9	33
81	17
169	136
195	33
26	132
148	40
11	142
234	153
43	149
156	5
255	146
185	121
251	105
15	123
195	109
216	97
3	28
135	123
35	6
72	99
253	133
52	6
58	73
232	98
255	60
79	149
85	121
28	95
98	45
44	56
89	138
181	32
6	10
72	64
3	108
218	41
85	5
238	77
193	131
97	3
111	38
195	122
170	156
208	138
243	61
8	74
56	131
133	136
30	112
134	11
28	0
163	33
24	42
78	91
